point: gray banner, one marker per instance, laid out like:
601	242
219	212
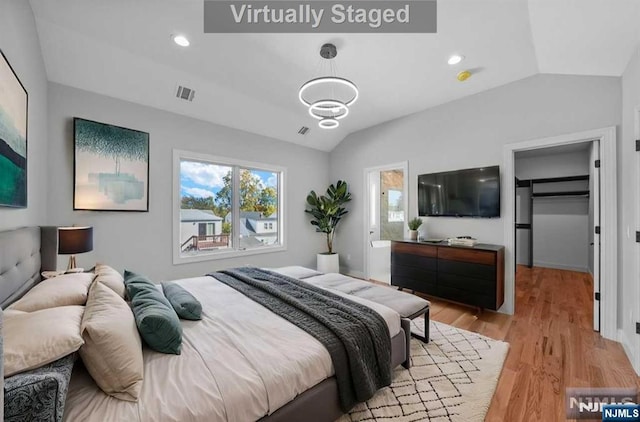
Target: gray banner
358	16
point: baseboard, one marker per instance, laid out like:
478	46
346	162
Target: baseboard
624	341
560	266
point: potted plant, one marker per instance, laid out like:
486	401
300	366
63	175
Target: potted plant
327	211
414	225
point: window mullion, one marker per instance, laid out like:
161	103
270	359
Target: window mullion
235	207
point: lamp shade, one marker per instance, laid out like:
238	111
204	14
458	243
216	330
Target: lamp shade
73	240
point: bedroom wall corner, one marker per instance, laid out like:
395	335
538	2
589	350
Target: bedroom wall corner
20	44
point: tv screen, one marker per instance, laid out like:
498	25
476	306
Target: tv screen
461	193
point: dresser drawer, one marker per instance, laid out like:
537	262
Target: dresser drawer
467	255
419	274
423	286
471	298
408	260
487	272
475	285
414	249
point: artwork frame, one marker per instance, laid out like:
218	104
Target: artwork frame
14	128
97	147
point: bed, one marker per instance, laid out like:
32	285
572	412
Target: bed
240	362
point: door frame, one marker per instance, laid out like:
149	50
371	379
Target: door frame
608	218
635	340
402	165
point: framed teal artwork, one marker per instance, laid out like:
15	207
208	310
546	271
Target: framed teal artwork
111	167
13	137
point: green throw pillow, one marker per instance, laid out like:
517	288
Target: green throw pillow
183	302
134	283
157	322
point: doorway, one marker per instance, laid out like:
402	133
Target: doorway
385	217
557	214
606	138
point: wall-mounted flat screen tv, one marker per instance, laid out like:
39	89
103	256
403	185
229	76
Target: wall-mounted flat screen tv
462	193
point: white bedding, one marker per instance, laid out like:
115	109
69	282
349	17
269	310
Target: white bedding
240	363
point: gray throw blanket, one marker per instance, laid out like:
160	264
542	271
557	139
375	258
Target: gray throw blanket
356	336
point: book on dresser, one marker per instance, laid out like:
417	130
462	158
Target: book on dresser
468	275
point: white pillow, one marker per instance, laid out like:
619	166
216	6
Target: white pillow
110	278
63	290
34	339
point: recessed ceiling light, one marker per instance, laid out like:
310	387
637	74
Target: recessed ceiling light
181	40
455	59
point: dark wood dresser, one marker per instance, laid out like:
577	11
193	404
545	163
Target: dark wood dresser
469	275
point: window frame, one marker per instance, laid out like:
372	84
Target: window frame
236	164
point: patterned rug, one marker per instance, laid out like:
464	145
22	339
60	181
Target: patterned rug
452	378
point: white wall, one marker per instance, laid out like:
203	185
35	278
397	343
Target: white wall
142	241
629	212
560	224
469	132
19	43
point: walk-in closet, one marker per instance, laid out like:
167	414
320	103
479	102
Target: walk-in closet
555	207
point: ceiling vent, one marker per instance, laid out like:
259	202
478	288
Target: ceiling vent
303	130
184	93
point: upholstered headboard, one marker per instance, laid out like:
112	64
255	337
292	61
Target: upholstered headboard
24	253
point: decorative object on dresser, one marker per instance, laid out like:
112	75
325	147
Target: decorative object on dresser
72	241
111	167
473	276
462	241
13	137
327	211
414	224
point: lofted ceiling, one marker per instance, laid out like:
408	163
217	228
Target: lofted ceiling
123	49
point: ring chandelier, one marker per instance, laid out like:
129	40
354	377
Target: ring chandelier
328	108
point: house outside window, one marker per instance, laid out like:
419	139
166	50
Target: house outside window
225	207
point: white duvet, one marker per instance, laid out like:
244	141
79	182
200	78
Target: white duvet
240	363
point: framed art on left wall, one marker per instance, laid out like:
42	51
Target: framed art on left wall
111	167
13	137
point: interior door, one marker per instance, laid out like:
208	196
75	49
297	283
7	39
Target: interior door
595	194
386	218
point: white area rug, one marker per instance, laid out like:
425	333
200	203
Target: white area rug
452	378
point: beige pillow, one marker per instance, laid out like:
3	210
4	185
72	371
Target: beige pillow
63	290
112	352
110	278
12	312
34	339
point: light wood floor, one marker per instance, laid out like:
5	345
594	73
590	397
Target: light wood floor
553	345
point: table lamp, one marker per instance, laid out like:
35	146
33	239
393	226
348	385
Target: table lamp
72	241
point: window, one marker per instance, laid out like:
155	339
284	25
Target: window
220	206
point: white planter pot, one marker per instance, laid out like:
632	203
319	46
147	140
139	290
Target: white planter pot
413	234
328	263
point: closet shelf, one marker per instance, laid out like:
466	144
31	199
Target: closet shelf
584	193
561	179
